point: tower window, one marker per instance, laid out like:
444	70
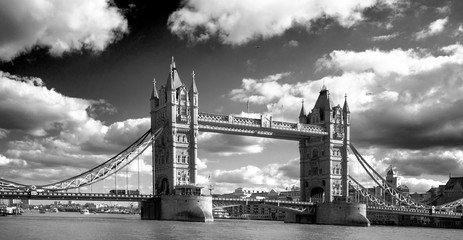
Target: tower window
315	153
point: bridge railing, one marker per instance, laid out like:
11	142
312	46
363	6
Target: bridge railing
21	194
248	200
413	210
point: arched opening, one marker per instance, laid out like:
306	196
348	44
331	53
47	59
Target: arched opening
163	188
317	195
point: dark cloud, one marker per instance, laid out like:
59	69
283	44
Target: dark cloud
291	169
421	163
392	125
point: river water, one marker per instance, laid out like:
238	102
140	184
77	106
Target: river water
70	226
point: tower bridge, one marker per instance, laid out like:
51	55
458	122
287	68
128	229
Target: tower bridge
323	136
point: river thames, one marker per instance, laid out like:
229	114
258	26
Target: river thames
76	226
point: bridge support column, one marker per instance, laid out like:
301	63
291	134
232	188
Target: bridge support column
177	197
342	213
292	217
178	208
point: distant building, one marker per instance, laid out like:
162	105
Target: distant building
419	197
254	211
451	191
272	195
393	180
245	193
292	195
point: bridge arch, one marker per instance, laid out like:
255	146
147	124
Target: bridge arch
163	185
317	194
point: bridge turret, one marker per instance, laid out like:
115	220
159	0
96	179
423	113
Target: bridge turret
194	128
154	103
346	143
175	152
302	114
321	157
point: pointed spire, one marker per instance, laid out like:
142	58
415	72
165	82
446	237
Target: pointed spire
345	108
173	64
323	87
173	80
154	94
329	102
303	112
170	83
193	87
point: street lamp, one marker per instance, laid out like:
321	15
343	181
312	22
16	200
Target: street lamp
211	187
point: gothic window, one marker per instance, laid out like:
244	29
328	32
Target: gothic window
178	158
182	110
183	159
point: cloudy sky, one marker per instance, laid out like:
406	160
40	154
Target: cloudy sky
75	80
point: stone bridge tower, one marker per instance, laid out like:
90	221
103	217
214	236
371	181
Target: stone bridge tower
323	162
175	108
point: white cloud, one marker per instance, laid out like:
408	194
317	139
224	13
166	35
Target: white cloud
35	109
3	133
55	134
385	37
201	164
292	43
387	63
5	162
241	21
276	176
444	9
420	185
434	28
401	101
61	26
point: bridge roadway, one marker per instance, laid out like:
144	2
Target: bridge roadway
217	202
73	196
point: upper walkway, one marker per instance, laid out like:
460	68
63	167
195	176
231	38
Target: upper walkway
258	127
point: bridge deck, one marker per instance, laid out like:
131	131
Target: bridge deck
74	196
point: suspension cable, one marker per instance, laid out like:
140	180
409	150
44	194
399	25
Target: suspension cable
385	185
